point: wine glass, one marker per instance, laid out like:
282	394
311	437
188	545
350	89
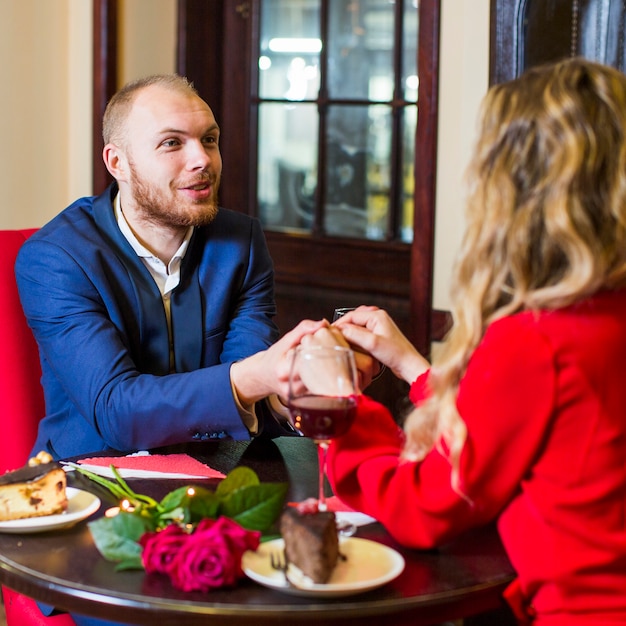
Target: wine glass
322	398
341	311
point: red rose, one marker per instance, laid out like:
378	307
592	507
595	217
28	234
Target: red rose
237	537
207	558
204	561
159	548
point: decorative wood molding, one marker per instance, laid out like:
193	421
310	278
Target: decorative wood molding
525	33
105	42
422	253
199	39
422	250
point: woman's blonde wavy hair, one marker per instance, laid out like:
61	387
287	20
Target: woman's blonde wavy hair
546	220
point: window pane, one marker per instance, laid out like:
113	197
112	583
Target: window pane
409	52
360	50
358	150
360	173
287	165
290	47
408	180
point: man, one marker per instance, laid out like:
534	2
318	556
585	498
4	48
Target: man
152	307
148	301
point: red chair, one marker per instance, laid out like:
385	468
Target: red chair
21	405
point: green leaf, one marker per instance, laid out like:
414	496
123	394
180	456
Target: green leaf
203	504
116	537
132	563
178	516
174	498
192	508
255	507
114	487
236	479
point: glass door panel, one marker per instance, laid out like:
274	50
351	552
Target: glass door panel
409	75
290	46
337	111
358	156
360	48
407	165
287	165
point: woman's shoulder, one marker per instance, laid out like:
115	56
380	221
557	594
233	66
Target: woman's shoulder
597	320
596	307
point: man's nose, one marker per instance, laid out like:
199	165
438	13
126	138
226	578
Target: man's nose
198	156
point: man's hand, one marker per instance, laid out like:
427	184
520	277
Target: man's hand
267	372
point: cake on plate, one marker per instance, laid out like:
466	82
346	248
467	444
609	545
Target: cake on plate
35	490
311	543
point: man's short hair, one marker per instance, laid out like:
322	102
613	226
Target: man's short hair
119	105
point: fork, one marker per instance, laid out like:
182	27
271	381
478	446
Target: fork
278	562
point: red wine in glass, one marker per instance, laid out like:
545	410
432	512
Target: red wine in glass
322	418
322	398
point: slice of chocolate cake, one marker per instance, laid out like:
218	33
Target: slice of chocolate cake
311	543
33	491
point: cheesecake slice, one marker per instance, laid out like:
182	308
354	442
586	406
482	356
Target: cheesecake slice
33	491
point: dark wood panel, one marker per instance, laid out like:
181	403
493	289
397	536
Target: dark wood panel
348	265
214	51
296	302
526	33
423	249
441	322
105	47
199	22
504	44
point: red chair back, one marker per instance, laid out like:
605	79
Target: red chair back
21	405
21	395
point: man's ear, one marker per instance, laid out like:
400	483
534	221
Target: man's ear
115	161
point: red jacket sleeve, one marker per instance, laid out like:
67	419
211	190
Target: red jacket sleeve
505	398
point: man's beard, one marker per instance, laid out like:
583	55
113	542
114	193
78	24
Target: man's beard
153	206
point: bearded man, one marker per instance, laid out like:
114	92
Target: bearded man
151	306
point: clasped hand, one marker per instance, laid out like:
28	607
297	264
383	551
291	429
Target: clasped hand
369	331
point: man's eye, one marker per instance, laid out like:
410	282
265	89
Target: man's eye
210	140
170	143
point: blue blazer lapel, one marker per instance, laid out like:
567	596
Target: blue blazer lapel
154	354
187	312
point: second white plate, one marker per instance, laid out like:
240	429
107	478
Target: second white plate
368	565
81	504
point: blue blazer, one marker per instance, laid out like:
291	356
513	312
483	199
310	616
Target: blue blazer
98	318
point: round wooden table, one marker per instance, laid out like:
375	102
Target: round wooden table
64	569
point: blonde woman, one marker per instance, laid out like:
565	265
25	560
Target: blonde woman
522	416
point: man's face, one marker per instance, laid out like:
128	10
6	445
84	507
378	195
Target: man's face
174	162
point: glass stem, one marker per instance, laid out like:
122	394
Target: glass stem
322	447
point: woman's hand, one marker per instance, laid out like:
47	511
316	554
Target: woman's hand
371	330
367	366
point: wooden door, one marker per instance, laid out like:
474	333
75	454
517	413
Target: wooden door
322	264
338	256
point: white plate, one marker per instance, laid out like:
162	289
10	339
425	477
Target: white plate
81	504
368	565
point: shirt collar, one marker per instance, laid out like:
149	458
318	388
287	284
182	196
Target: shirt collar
136	245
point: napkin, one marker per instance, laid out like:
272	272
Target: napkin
146	465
